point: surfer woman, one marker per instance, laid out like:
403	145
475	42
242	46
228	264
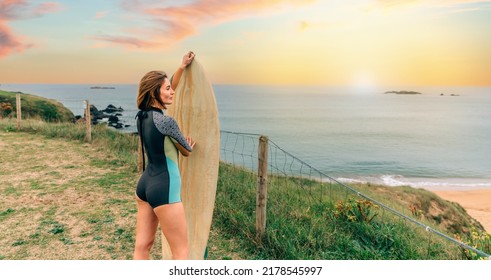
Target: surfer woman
158	192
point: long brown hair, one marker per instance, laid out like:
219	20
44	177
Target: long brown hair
149	90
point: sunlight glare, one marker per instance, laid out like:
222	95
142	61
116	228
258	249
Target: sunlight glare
363	83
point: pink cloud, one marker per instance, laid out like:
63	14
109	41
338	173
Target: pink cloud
439	3
21	9
8	8
125	40
46	8
8	42
100	15
176	23
11	10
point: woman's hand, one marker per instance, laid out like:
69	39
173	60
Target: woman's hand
187	59
191	142
183	150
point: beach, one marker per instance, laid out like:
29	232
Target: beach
477	203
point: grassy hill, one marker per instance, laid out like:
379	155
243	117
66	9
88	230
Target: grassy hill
65	199
33	106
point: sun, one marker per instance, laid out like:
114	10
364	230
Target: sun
363	82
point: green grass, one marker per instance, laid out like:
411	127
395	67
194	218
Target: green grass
303	226
34	107
122	146
305	219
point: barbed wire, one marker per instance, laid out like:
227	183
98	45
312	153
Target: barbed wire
284	166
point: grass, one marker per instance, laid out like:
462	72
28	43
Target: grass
34	107
302	226
53	212
66	199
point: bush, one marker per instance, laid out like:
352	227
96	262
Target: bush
5	109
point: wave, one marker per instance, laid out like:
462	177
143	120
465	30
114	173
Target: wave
424	183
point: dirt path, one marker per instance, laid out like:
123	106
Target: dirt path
61	199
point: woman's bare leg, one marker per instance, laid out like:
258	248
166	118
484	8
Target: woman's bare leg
146	227
172	220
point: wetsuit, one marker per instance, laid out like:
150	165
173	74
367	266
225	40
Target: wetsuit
160	182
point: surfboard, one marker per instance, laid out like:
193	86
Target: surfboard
195	111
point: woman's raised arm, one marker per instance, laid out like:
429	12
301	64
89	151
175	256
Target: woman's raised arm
186	60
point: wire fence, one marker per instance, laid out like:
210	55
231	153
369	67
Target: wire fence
293	183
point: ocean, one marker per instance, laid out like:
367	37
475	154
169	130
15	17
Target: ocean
430	140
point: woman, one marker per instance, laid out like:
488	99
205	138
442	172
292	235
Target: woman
158	192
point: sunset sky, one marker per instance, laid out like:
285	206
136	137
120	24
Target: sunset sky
365	43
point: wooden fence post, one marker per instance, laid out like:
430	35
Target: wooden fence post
88	122
19	112
262	186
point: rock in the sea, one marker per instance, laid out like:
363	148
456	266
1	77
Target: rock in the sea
111	109
113	119
109	113
403	92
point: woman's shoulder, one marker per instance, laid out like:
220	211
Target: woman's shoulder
159	114
163	121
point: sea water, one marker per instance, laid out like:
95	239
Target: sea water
439	139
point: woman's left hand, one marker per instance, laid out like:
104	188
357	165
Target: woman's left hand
191	142
187	59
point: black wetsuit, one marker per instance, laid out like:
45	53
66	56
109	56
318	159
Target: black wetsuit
160	183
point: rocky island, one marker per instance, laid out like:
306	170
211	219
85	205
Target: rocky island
450	94
402	92
102	87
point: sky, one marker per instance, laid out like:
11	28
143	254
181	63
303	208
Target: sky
361	43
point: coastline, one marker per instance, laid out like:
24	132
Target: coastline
452	189
476	202
474	195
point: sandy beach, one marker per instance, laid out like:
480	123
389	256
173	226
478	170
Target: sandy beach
477	203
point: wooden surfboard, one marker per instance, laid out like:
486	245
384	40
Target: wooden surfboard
195	110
